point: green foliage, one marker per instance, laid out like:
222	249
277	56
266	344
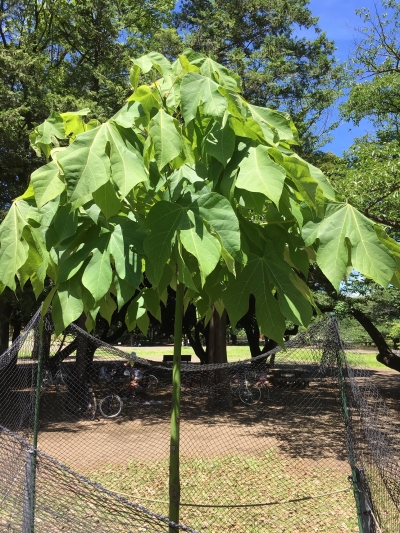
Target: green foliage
64	56
258	40
375	93
344	233
368	176
394	331
169	186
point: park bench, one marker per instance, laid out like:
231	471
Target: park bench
170	358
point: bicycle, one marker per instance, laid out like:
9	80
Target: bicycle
249	393
111	405
82	402
244	388
56	379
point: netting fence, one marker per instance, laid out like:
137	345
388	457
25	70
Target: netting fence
295	440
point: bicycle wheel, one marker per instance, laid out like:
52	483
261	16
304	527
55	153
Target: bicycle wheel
150	382
249	394
111	406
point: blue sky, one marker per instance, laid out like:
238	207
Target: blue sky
340	22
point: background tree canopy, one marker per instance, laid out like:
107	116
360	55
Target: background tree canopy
61	56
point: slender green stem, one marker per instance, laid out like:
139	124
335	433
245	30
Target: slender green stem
36	422
174	481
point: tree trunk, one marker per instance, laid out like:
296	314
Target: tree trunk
84	352
251	328
63	353
195	342
216	351
217	339
385	355
17	326
190	321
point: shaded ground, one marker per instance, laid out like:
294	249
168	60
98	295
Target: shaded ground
290	445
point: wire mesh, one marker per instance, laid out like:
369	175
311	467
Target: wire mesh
64	499
264	444
375	430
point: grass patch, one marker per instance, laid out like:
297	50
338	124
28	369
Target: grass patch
236	353
235	479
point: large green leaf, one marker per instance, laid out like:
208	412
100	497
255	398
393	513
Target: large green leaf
46	183
67	305
97	276
124	292
65	224
72	258
152	303
163	221
220	74
322	181
107	307
279	121
218	212
42	137
299	173
106	198
201	244
14	250
294	303
346	237
74	123
197	89
166	138
86	164
254	279
220	142
126	160
148	98
259	173
394	248
34	259
34	237
184	273
123	242
135	310
156	60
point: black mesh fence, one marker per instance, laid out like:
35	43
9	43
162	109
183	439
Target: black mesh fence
40	494
264	442
375	433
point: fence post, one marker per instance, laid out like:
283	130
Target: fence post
365	503
354	478
29	482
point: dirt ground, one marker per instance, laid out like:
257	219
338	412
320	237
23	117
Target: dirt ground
307	423
291	443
